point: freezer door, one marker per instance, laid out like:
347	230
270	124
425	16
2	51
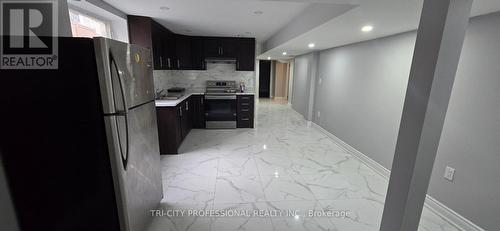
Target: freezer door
125	75
137	173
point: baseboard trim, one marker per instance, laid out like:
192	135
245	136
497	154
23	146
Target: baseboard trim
431	203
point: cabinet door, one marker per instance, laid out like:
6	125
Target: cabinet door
212	47
197	54
186	118
229	47
198	112
183	52
169	51
169	129
158	47
246	55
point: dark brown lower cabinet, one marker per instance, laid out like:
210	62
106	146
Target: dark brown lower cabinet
175	123
186	117
169	129
245	111
198	112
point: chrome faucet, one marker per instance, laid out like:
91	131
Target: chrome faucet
158	94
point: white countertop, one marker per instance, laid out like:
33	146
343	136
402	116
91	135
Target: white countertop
175	102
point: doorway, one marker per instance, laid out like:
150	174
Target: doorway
264	78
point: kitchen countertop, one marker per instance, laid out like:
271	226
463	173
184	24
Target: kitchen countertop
175	102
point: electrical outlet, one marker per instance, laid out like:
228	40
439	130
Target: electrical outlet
449	173
319	114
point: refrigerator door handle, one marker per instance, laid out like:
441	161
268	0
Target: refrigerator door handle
124	154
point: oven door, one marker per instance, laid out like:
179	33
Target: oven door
220	111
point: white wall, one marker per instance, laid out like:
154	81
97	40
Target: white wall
301	83
361	99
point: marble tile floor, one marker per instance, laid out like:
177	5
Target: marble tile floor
283	165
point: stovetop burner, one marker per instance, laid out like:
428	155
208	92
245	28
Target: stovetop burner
221	87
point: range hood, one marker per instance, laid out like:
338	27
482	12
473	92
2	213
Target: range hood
220	60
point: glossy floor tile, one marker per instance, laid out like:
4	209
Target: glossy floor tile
282	175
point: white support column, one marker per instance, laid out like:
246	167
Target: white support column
437	51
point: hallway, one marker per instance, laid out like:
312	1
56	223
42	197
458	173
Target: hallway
281	165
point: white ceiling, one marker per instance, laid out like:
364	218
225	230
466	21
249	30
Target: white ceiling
216	17
236	17
388	17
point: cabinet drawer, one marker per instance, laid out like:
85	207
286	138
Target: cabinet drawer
245	98
244	115
246	104
244	124
245	110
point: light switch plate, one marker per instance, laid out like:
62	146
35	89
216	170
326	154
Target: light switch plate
449	173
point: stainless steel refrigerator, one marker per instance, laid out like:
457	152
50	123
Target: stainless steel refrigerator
127	90
79	143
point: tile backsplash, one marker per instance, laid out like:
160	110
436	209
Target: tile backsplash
196	80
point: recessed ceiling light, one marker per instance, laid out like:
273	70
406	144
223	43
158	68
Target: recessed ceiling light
258	12
284	53
164	8
268	58
311	45
367	28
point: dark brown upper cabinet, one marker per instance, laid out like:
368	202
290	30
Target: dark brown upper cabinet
145	32
221	47
245	60
189	53
181	52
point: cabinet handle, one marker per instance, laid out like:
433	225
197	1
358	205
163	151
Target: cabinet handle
180	111
220	53
201	100
244	104
245	119
168	62
187	106
178	64
245	97
244	109
161	61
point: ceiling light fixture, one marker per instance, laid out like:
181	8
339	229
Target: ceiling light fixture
311	45
268	58
367	28
164	8
284	53
258	12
